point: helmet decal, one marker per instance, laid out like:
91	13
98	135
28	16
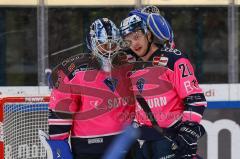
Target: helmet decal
132	24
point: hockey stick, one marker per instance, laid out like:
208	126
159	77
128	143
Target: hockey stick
122	143
143	103
67	49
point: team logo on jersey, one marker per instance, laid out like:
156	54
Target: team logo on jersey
160	60
111	83
140	84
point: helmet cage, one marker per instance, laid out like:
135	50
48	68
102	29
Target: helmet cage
103	39
106	48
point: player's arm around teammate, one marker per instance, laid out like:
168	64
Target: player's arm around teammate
165	78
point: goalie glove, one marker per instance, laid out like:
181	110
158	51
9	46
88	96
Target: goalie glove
56	149
187	138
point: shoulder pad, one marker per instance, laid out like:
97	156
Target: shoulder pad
71	65
172	56
80	62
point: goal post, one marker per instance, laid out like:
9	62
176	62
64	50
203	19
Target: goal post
20	120
1	131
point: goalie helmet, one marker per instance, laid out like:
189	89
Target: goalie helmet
103	38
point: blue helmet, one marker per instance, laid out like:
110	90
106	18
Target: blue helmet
160	27
132	24
103	38
156	23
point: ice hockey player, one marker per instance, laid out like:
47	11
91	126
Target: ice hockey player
164	78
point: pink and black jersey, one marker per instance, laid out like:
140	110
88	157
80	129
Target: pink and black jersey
169	86
90	104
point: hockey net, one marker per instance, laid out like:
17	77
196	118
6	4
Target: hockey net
20	120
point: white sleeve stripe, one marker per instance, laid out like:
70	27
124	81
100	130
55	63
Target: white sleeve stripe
60	123
60	120
61	111
198	104
192	113
57	135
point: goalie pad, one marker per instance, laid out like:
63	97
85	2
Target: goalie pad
56	149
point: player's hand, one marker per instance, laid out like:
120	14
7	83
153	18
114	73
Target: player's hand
120	59
187	137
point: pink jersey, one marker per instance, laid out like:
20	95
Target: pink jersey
93	104
169	86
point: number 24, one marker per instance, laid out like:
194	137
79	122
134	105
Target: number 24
185	70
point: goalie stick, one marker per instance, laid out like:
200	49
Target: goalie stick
118	149
143	103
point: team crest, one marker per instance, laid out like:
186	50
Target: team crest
111	83
140	84
160	60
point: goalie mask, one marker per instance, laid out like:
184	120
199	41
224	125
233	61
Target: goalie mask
103	38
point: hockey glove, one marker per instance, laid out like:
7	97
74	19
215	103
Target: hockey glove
56	149
187	137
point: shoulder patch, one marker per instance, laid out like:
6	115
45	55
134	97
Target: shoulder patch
160	60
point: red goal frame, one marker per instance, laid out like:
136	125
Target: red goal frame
34	99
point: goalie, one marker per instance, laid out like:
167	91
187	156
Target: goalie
90	98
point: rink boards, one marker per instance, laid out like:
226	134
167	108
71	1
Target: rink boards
221	119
